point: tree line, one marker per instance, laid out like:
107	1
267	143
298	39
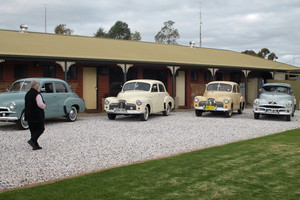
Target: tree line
167	35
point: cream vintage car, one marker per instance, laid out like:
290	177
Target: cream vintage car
220	96
140	97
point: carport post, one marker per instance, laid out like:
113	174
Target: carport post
173	71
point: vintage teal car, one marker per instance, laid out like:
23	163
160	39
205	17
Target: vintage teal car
57	94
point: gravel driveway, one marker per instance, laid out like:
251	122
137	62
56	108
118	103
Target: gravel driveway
95	143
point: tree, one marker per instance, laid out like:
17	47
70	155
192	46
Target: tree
272	56
100	33
61	29
136	36
119	31
263	53
167	34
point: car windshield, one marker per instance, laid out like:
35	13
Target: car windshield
20	86
219	87
136	86
277	89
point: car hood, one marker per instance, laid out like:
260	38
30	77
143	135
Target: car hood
133	95
272	96
7	97
216	95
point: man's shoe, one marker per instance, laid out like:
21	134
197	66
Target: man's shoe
32	144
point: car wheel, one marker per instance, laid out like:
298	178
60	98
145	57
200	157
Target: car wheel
111	116
229	112
240	111
167	111
198	113
72	115
256	115
288	118
21	123
145	115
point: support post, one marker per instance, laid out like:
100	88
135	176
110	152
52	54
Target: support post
173	71
125	68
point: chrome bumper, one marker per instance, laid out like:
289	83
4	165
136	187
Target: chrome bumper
4	114
272	111
217	109
124	112
8	118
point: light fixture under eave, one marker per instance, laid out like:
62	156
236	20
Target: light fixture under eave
23	28
192	44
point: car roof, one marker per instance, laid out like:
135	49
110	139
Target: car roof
145	81
40	79
277	84
227	82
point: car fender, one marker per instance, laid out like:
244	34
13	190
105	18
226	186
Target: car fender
169	99
71	101
145	102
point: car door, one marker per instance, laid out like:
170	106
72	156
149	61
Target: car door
155	98
62	93
236	97
49	97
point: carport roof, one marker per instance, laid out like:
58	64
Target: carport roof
30	45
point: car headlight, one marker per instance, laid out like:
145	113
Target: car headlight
226	101
256	102
289	104
12	105
196	99
106	102
138	102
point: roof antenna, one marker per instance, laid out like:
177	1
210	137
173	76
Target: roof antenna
200	35
45	18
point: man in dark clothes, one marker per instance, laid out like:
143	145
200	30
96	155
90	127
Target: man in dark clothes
34	114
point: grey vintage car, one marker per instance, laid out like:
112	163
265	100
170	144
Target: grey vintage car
275	99
57	94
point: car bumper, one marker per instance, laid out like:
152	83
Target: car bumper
272	111
4	115
216	109
124	112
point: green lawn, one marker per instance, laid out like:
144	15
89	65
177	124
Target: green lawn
263	168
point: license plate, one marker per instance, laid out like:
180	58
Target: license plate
210	107
272	111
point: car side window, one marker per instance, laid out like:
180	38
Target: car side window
161	88
47	88
234	89
154	88
60	88
238	89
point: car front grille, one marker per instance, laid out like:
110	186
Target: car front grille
122	104
4	109
211	102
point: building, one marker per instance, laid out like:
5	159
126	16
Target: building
97	67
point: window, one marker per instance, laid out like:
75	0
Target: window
1	71
235	77
60	88
154	88
72	72
20	71
219	76
47	88
194	76
207	76
161	88
49	71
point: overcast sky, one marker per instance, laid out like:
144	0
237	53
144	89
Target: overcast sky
235	25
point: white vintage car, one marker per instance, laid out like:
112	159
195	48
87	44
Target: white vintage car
220	96
275	99
140	97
